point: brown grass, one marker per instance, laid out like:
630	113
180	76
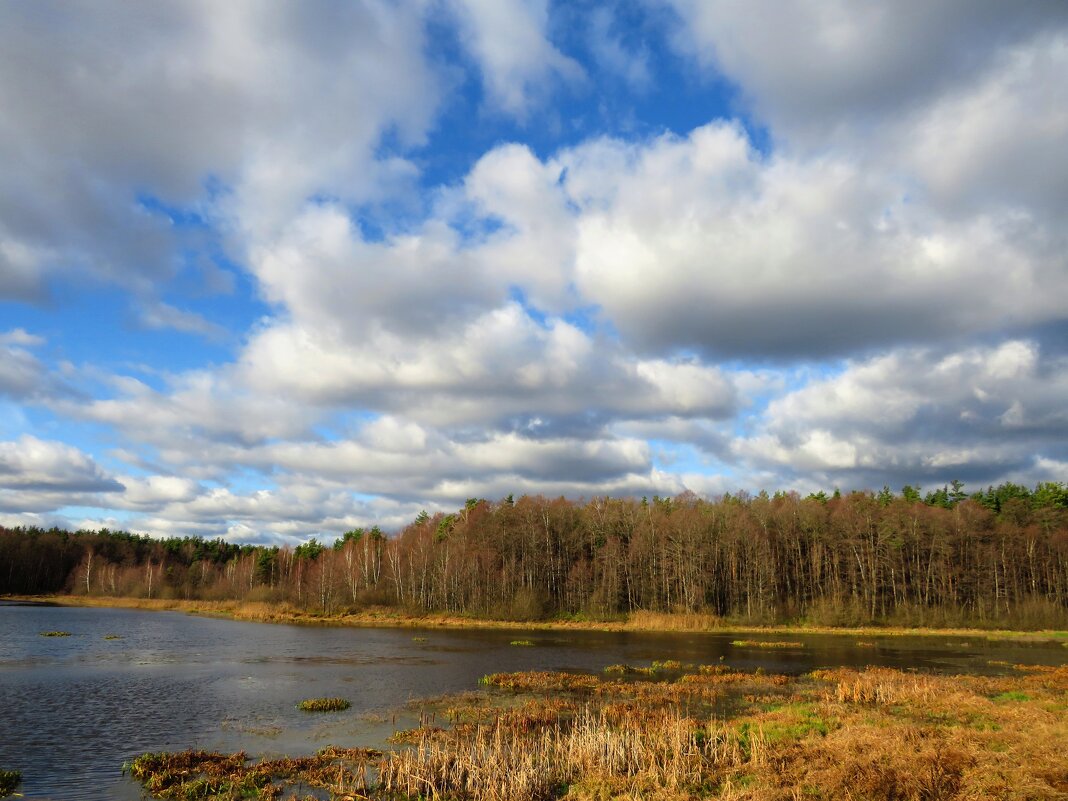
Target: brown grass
875	734
384	616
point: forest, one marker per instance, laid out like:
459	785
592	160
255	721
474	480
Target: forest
998	557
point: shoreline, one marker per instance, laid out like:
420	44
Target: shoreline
388	617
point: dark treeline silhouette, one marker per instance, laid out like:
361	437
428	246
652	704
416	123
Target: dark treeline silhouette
993	558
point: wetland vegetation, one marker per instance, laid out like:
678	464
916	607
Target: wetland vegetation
688	732
324	704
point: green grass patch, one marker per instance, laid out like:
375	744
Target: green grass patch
324	705
766	644
1013	696
55	633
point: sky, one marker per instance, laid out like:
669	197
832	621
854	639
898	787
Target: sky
274	270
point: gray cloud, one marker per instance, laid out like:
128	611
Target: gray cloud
978	414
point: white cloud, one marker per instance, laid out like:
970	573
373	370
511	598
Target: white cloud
276	103
33	465
510	41
978	413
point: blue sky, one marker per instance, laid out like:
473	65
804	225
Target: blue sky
283	269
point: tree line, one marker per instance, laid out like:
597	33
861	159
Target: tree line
994	557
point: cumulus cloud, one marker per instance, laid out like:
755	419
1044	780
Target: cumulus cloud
275	102
510	41
865	296
31	466
976	414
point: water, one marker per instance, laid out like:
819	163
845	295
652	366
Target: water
74	709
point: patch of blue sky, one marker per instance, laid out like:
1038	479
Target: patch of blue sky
122	517
682	457
518	295
677	97
15	420
344	426
245	481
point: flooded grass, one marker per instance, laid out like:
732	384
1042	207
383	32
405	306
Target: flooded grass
708	731
9	782
324	705
524	643
55	634
112	636
341	772
766	644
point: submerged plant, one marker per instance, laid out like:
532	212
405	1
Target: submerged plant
55	633
324	704
112	636
9	780
521	642
766	644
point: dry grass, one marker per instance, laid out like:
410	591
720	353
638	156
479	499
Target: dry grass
383	616
876	735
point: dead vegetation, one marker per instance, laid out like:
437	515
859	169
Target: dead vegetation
713	732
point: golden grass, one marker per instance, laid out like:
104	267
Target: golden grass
378	616
876	734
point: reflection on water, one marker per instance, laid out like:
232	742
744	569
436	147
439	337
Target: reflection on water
75	708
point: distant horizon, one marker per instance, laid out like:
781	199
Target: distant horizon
274	270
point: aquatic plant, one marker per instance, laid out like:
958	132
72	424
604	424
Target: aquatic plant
877	734
324	704
766	644
212	775
9	782
55	633
112	636
521	642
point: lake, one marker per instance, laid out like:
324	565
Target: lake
76	708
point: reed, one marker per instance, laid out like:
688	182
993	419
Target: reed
866	735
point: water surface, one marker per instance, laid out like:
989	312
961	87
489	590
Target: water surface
76	708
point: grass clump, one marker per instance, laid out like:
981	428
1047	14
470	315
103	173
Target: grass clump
766	644
9	782
869	735
324	705
524	643
112	636
342	772
55	633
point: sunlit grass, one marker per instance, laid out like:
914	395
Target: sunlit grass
324	705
